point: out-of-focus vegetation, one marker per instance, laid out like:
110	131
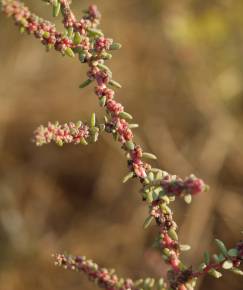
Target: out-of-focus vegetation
181	67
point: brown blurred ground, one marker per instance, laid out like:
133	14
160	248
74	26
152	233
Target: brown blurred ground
181	67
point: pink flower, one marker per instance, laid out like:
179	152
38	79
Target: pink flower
93	11
194	185
114	107
104	91
102	43
139	170
81	26
167	241
174	261
102	77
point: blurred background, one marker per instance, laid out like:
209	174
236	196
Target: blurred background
181	67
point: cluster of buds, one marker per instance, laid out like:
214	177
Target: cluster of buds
42	29
75	133
101	276
173	185
159	185
67	43
93	13
61	134
102	44
105	278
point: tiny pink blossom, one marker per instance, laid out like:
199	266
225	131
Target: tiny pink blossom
102	43
114	107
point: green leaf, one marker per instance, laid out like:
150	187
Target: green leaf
151	176
56	9
128	176
159	175
149	196
221	258
206	258
115	46
95	137
147	222
189	286
21	29
106	56
215	273
59	143
93	120
182	266
166	252
215	258
155	195
102	101
149	155
114	84
77	38
185	248
165	198
94	32
133	126
188	198
105	68
85	83
83	141
157	189
115	135
237	271
138	282
125	115
82	56
221	247
172	233
151	284
167	210
69	52
227	265
130	145
160	284
146	284
46	34
70	32
233	252
202	266
102	127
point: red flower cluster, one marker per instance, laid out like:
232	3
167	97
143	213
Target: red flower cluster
61	134
173	185
102	43
114	108
93	12
103	91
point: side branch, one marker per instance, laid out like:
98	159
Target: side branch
75	133
103	277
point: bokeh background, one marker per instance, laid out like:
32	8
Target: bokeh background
181	67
